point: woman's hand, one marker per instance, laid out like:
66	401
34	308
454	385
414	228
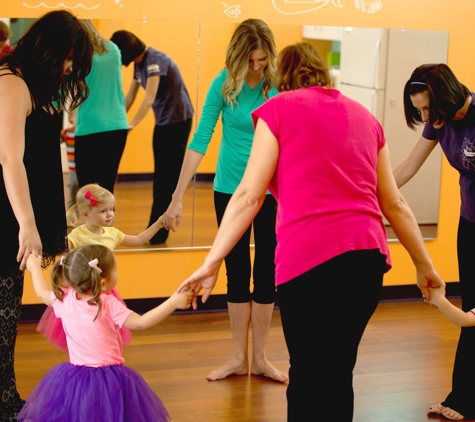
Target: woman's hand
172	216
30	243
427	279
203	278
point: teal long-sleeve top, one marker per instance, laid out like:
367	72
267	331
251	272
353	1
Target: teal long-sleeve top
238	130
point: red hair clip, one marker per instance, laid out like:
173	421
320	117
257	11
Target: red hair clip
92	200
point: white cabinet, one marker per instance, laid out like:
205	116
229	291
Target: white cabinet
328	33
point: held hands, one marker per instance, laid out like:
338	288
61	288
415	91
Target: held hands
429	279
203	278
182	300
173	215
33	263
436	296
30	243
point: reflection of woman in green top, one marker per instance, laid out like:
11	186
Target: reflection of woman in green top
240	88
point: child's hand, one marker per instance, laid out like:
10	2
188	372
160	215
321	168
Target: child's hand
436	296
160	220
182	300
33	263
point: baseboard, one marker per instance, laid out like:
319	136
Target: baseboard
217	303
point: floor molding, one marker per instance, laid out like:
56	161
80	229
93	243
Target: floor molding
217	303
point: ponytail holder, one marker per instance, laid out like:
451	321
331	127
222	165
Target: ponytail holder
92	200
93	264
61	261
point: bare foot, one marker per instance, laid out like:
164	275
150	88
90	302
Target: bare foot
266	369
233	367
446	411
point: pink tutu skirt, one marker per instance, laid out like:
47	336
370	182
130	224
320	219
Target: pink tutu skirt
52	327
74	393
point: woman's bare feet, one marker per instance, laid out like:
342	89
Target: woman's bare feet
266	369
446	411
233	367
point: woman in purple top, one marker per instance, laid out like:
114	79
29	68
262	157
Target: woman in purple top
167	96
325	159
434	96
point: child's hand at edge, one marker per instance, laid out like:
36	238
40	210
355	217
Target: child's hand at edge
160	221
436	296
33	263
182	300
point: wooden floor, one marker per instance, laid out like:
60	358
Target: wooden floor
198	225
404	365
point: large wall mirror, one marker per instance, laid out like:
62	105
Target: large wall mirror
198	48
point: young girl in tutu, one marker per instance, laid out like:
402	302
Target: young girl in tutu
95	386
95	207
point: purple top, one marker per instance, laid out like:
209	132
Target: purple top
172	103
457	140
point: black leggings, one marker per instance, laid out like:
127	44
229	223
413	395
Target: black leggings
238	261
462	395
324	314
11	291
169	144
98	157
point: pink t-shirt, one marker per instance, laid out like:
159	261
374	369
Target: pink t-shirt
92	343
325	180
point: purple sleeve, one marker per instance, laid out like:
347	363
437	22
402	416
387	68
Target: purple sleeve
430	132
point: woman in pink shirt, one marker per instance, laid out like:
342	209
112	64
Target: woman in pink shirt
325	159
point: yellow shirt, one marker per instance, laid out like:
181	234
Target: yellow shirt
111	237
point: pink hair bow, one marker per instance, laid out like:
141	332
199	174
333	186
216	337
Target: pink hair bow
92	200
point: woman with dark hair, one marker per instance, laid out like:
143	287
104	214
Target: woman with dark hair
166	94
433	96
244	84
331	240
47	66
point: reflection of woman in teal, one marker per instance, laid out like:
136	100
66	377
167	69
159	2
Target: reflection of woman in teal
240	88
101	123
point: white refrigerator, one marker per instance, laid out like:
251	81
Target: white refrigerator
374	67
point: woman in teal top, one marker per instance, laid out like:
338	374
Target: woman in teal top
101	122
240	88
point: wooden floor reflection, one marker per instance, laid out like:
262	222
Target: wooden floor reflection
404	365
198	226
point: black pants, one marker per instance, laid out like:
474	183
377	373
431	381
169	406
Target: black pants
11	291
169	144
98	157
324	313
238	261
462	396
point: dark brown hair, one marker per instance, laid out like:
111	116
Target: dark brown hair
39	56
446	94
129	45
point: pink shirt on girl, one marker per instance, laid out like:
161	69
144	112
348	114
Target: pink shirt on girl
325	181
92	343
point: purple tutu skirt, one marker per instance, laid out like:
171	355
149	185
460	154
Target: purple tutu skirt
52	327
75	393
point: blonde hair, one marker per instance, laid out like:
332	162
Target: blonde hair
300	66
84	201
249	36
98	42
77	271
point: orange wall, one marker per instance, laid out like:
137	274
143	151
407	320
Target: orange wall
157	273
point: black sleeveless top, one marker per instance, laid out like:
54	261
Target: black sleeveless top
42	160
